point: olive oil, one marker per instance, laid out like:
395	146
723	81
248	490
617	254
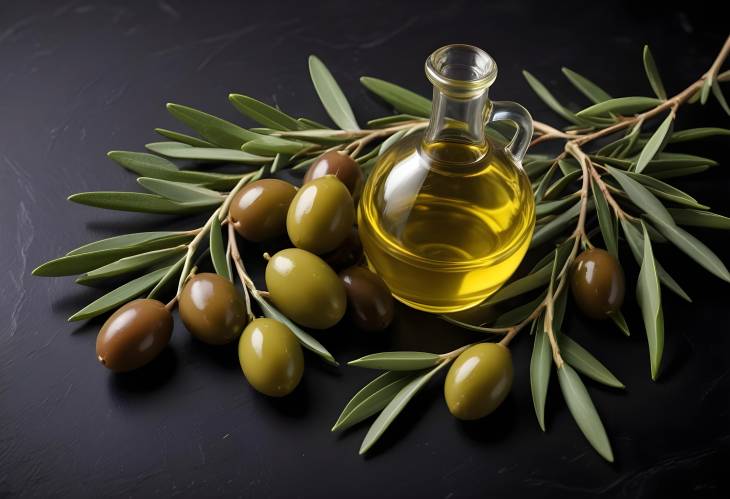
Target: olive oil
445	223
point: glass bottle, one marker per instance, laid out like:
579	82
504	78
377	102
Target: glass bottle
447	214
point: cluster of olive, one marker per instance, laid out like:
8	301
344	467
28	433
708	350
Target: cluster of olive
302	282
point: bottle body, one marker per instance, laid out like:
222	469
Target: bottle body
445	223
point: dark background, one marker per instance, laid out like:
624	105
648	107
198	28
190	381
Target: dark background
79	79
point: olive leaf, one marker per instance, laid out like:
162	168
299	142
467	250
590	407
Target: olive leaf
372	398
78	263
705	92
673	172
171	273
560	305
181	192
280	161
697	218
333	100
557	225
595	93
393	119
402	100
307	340
558	187
618	318
640	195
692	246
654	144
521	286
131	263
395	406
268	145
549	99
666	191
545	182
652	74
717	92
311	124
535	168
605	220
540	364
136	202
262	113
218	250
184	138
548	207
142	240
583	411
390	141
584	362
697	133
636	244
632	145
568	166
212	154
120	295
648	294
620	105
518	314
397	361
215	130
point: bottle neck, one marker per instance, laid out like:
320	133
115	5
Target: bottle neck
457	124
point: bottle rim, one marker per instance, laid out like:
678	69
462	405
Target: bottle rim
461	70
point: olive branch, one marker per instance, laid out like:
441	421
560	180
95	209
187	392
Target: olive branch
622	182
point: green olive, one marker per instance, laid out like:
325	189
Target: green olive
134	335
271	357
321	215
305	289
213	309
597	283
369	301
258	210
341	166
478	381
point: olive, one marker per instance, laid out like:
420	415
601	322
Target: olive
213	309
347	254
305	289
478	381
341	166
597	282
258	210
321	215
369	301
134	335
271	357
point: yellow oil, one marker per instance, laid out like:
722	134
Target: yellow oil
445	225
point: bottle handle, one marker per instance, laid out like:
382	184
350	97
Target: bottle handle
511	111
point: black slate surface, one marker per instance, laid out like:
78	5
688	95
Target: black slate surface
81	78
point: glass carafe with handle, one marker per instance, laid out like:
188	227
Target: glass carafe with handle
447	213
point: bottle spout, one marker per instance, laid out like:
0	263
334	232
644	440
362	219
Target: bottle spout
461	71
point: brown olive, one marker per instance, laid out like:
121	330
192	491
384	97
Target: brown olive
134	335
258	211
478	381
305	289
341	166
597	283
369	301
213	309
271	357
347	254
321	215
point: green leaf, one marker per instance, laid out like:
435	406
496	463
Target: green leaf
262	113
181	137
135	201
540	363
620	105
280	161
307	340
717	92
181	192
141	240
402	100
391	140
705	92
649	296
318	136
666	191
558	187
183	151
548	207
216	130
636	243
697	133
372	398
397	361
269	145
584	362
533	280
618	319
172	272
697	218
556	226
568	166
518	314
121	295
311	124
395	406
652	73
132	263
595	93
640	195
394	119
605	220
333	100
79	263
535	168
218	250
549	99
692	246
583	411
654	144
676	172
